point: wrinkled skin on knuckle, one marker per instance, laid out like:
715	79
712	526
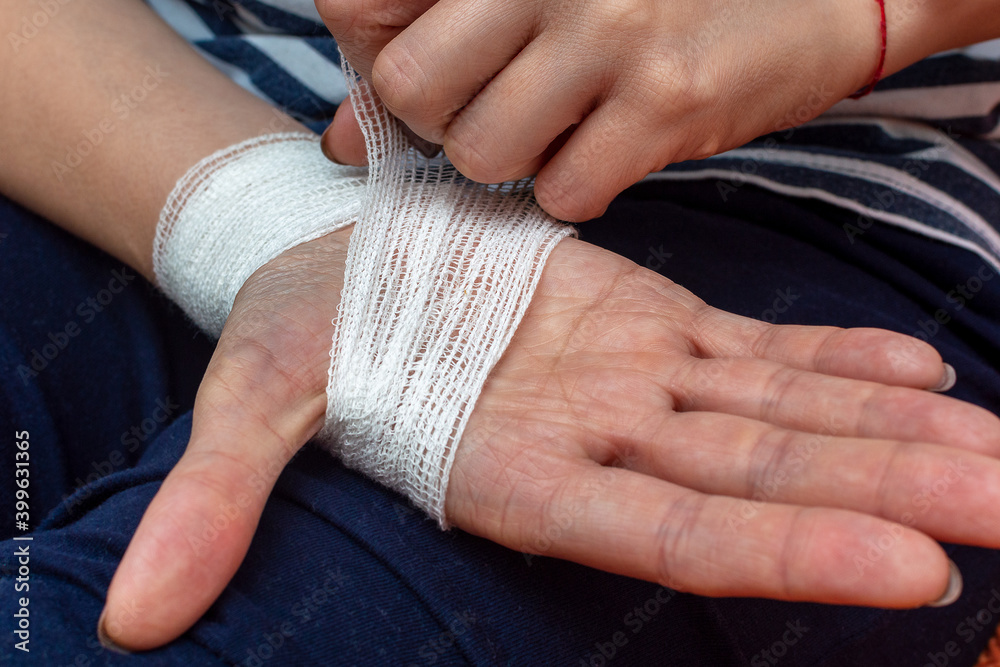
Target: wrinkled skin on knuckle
693	100
680	100
768	458
401	81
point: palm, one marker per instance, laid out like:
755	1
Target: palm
631	427
623	428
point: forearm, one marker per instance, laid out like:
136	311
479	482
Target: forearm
105	108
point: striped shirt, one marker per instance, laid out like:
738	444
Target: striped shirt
921	152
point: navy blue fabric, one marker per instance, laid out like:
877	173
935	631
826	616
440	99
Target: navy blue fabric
342	571
94	362
877	162
942	71
299	101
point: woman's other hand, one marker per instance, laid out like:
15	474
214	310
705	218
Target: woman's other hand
592	95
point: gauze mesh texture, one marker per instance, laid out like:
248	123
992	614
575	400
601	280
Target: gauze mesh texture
241	207
439	273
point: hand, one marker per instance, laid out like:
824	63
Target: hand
263	396
633	428
517	87
628	426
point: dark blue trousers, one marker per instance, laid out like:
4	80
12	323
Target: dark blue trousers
98	375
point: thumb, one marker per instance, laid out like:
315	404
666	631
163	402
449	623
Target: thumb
247	425
343	141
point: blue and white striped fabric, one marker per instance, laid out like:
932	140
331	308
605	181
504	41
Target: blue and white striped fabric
277	49
921	152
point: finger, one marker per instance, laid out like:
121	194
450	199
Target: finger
569	188
626	522
362	28
196	531
505	133
427	74
343	142
864	354
796	399
947	493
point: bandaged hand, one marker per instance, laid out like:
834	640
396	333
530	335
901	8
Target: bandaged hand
593	95
627	426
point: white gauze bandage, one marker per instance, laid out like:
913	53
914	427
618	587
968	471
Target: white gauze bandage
439	273
240	208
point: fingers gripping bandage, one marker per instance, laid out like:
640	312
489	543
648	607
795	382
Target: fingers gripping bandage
439	274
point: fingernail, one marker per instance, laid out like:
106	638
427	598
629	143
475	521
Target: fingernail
954	589
326	151
947	380
426	148
102	636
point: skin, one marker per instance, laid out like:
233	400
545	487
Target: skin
513	88
625	426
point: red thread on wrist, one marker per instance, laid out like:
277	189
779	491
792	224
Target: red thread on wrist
881	58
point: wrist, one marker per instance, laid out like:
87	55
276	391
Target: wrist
241	207
920	28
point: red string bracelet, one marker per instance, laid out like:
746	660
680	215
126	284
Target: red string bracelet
881	58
